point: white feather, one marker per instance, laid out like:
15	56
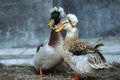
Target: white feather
53	9
73	19
62	12
82	64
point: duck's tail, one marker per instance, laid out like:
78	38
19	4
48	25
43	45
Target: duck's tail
97	60
98	45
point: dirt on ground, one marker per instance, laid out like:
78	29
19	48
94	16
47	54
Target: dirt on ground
25	72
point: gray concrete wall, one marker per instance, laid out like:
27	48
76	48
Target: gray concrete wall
97	18
23	23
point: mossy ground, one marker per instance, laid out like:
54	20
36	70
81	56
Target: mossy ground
25	72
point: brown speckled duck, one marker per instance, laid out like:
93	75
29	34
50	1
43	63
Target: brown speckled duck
84	58
48	55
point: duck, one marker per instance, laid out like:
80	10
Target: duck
83	57
47	56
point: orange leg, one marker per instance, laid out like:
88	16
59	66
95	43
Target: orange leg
76	77
41	73
54	72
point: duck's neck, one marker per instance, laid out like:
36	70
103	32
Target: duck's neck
55	38
72	34
71	37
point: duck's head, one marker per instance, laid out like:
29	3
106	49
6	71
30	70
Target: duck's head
56	15
67	23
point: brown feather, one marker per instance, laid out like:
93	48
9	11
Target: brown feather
54	38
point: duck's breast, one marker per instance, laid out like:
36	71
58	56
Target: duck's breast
47	57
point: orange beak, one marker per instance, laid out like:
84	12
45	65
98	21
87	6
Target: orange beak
60	28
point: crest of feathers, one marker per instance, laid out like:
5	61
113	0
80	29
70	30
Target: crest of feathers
59	9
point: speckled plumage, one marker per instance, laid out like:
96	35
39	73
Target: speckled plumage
83	57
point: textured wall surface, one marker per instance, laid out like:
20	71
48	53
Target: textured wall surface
97	18
23	23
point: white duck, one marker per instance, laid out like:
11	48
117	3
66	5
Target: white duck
48	55
82	57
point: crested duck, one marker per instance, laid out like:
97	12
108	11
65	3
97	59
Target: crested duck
48	56
84	58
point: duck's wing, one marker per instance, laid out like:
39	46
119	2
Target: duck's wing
81	48
95	58
38	48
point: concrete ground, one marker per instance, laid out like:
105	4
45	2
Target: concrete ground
13	56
